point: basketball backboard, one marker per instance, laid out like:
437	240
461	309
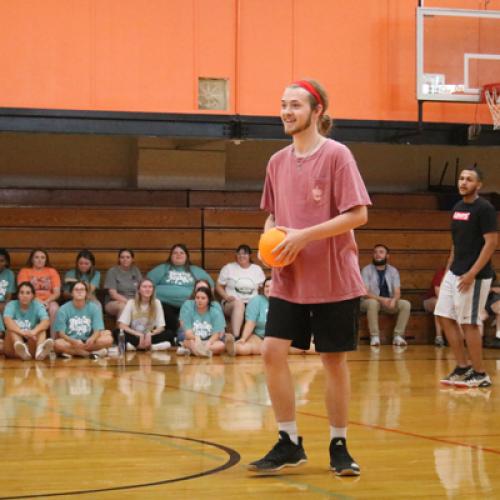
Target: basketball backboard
458	51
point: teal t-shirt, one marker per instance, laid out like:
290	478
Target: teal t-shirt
174	285
2	326
7	283
256	311
203	325
71	274
79	323
26	319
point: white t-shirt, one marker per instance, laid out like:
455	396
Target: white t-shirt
138	320
242	283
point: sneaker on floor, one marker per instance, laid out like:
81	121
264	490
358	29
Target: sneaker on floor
201	349
229	343
340	461
439	341
183	351
65	355
44	349
474	379
285	453
399	340
456	375
21	349
130	347
113	351
161	346
101	353
375	341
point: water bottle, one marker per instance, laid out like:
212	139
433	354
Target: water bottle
122	346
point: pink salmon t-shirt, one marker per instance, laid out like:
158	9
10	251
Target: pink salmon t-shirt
302	193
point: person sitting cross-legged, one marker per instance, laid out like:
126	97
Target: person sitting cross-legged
80	327
26	326
384	294
203	325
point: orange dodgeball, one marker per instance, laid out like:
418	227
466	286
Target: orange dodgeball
267	243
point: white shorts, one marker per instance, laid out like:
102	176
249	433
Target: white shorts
464	308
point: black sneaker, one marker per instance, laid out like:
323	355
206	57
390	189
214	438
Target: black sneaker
285	453
458	374
340	461
474	379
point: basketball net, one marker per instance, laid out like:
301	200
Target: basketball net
491	94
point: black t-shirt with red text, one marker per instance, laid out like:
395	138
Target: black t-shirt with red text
470	221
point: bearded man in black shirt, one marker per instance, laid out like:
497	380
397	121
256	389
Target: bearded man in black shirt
465	287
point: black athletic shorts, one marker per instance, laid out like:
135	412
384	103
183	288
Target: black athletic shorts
334	325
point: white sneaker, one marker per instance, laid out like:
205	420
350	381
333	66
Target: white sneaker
201	349
375	341
130	347
399	340
101	353
161	346
183	351
22	351
229	343
43	350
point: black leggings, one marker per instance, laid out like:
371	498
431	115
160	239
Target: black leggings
134	339
171	320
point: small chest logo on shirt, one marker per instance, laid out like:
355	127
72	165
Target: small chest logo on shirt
461	215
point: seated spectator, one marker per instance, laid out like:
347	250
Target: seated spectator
191	305
46	281
384	294
7	279
121	283
492	308
80	326
255	325
237	284
429	304
174	282
203	325
26	324
143	322
84	270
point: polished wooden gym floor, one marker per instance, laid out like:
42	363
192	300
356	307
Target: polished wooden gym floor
166	427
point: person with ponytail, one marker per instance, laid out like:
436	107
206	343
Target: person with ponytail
314	193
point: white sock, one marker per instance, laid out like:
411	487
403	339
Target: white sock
338	432
291	429
497	335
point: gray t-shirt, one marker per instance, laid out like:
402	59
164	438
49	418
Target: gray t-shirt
124	282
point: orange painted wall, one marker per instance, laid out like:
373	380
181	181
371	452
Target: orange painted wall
131	55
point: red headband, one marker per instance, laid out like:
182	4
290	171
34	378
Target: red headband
310	88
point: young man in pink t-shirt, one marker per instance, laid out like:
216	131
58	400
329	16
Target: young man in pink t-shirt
314	192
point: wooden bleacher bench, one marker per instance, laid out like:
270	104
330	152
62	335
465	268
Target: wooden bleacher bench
212	224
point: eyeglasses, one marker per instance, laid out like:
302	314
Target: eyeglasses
79	289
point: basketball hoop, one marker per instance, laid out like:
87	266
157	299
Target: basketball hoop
490	94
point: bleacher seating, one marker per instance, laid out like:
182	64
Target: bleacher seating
212	224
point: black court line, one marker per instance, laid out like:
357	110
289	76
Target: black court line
233	458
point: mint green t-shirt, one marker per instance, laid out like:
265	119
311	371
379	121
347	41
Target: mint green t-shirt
79	323
256	311
174	285
7	283
71	274
203	325
26	319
